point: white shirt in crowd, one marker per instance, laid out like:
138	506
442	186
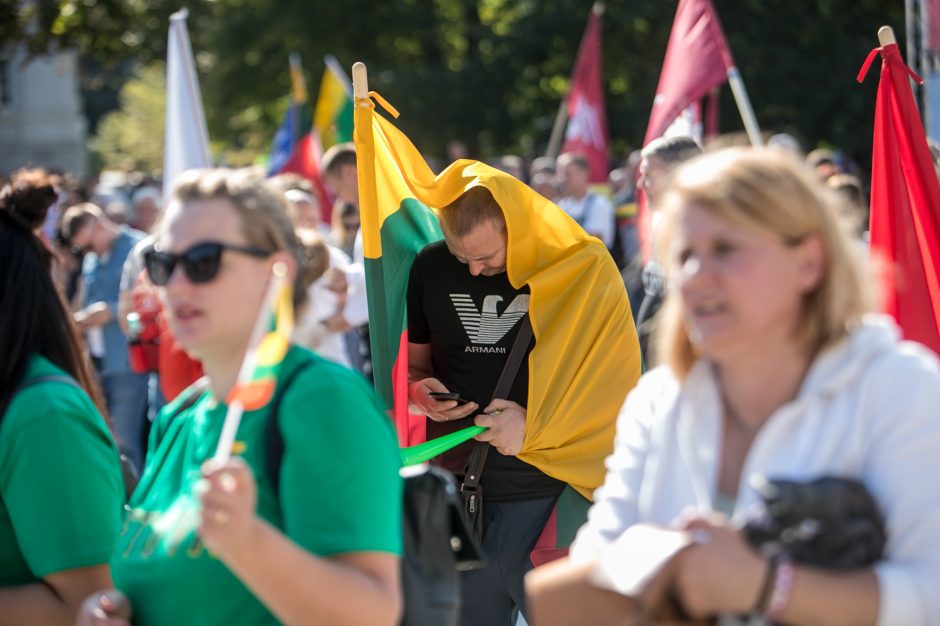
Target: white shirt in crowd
594	213
322	304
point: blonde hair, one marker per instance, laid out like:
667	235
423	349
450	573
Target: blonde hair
769	191
262	208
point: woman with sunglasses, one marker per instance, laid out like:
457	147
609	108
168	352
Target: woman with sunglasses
61	491
317	543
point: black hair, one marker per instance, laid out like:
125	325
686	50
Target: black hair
34	318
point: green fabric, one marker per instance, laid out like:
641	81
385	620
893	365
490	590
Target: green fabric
404	233
61	490
339	492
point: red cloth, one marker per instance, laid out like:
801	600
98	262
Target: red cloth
587	119
905	205
305	161
176	370
155	349
697	59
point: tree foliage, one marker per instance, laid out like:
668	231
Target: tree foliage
132	136
490	72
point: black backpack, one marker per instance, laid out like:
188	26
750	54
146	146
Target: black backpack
438	544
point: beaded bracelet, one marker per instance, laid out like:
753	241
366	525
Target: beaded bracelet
783	587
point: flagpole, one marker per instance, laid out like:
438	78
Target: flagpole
886	36
561	118
558	129
744	107
360	81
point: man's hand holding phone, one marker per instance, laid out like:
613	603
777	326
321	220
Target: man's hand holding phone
446	407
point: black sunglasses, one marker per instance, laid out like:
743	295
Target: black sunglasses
200	262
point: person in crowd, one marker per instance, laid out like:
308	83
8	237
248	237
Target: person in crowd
340	176
657	160
306	208
543	165
459	340
546	184
146	206
592	211
456	150
293	545
626	249
61	491
105	246
514	165
855	202
304	202
786	143
823	162
345	227
772	367
322	322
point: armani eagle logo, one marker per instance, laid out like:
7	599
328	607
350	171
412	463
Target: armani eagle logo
488	327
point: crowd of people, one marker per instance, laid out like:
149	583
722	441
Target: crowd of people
124	331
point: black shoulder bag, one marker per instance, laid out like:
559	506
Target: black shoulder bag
470	489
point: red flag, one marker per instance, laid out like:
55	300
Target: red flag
305	161
697	59
587	120
905	204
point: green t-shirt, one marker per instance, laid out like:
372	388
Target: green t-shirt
61	489
339	492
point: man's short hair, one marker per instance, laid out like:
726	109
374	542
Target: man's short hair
474	207
574	158
76	217
337	156
672	150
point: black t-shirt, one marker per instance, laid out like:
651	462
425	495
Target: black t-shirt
471	323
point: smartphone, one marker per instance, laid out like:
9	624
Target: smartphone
441	396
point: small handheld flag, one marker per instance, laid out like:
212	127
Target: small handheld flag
257	377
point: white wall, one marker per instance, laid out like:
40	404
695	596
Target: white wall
41	121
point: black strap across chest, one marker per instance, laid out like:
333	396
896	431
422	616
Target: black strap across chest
471	480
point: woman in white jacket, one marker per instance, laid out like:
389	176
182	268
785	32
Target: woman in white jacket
772	367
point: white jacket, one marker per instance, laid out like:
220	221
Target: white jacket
868	409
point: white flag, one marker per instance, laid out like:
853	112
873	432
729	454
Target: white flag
186	143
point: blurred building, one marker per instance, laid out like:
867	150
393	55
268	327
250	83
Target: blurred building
41	119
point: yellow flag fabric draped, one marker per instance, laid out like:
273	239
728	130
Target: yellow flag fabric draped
586	356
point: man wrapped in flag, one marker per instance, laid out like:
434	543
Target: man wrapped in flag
506	253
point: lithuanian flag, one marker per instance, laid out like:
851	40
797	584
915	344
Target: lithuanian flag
333	114
586	357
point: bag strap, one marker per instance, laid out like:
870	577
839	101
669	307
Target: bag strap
471	479
45	378
273	439
195	390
